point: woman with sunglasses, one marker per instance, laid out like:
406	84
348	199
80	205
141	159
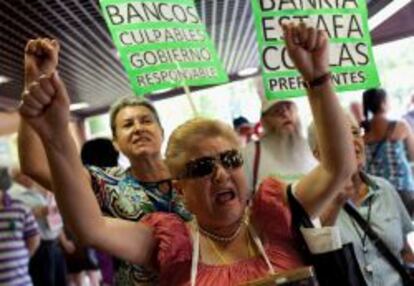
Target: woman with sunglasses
226	243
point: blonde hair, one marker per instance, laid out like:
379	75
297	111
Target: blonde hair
185	137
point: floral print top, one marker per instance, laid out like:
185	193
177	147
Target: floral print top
120	195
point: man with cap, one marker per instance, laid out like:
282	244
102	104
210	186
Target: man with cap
244	129
283	151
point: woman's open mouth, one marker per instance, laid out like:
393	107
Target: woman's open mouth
222	198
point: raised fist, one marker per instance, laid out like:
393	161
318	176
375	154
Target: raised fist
308	49
45	102
40	58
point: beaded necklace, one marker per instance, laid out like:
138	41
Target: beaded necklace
250	250
221	238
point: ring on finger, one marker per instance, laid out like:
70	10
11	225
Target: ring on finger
33	84
25	94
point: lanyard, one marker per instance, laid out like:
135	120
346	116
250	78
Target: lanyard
363	236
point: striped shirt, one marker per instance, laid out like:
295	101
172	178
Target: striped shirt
16	225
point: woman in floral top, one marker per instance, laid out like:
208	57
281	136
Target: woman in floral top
122	193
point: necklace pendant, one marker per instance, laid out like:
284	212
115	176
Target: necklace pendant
365	249
368	268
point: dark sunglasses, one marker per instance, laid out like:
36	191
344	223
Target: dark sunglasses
204	166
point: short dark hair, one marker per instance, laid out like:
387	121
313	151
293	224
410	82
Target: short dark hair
239	121
372	100
5	179
99	152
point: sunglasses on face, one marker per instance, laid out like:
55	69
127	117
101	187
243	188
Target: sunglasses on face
204	166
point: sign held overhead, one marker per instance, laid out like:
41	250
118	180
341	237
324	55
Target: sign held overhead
345	22
162	44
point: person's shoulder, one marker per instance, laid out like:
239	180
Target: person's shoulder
161	218
271	191
172	237
106	172
378	181
401	124
384	186
270	208
15	204
272	184
168	227
402	128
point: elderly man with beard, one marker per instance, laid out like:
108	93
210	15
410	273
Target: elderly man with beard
283	151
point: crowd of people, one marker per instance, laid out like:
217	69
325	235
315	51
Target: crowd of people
215	210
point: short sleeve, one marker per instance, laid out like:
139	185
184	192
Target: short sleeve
396	201
407	225
30	226
270	211
100	180
173	243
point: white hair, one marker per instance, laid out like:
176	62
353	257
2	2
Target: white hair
312	137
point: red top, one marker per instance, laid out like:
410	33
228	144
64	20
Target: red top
271	218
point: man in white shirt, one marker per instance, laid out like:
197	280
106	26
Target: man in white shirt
283	151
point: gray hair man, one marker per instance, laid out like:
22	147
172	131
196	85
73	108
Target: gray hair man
283	151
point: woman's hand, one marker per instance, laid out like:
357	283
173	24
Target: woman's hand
40	58
45	102
69	247
308	49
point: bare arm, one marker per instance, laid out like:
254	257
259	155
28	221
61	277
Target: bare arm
40	212
409	140
67	244
308	48
39	60
128	240
9	121
45	107
330	214
32	156
32	244
33	161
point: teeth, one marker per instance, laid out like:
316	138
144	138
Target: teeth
224	197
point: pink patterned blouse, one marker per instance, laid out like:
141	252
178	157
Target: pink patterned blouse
271	218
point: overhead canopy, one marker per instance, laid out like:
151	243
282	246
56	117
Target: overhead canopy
398	26
89	63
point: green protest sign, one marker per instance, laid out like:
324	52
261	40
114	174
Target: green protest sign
162	44
345	21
